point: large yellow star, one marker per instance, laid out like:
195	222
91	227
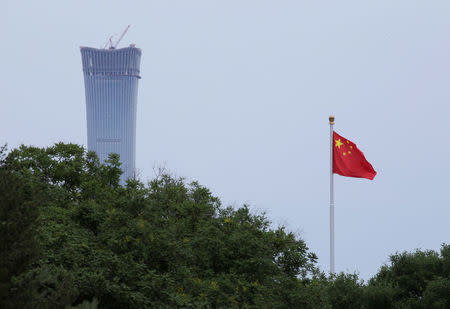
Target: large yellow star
338	143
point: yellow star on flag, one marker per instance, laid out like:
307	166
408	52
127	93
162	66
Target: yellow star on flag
338	143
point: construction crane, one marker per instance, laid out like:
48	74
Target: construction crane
110	42
121	37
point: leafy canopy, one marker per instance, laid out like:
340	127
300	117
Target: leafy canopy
165	244
73	237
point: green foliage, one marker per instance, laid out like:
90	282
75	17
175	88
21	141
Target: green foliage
162	245
18	247
86	305
437	293
417	279
380	296
71	233
345	291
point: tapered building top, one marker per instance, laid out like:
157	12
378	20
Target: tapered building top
123	61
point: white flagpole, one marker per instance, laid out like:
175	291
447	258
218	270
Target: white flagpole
331	119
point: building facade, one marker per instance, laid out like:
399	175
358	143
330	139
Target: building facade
111	86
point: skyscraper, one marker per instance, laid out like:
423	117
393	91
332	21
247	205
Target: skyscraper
111	86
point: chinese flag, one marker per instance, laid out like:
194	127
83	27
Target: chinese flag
348	160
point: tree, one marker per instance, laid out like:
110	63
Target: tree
345	291
72	236
418	279
18	247
166	244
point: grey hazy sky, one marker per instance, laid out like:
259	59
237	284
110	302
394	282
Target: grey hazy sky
236	95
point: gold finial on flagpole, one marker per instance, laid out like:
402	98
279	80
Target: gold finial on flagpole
331	118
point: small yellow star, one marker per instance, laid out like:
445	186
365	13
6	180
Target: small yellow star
338	143
351	147
348	142
344	153
349	152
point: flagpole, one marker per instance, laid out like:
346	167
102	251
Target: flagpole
331	119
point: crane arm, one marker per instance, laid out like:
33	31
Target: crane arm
121	36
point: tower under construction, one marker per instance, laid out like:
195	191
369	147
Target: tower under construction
111	78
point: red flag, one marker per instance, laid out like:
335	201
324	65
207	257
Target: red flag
348	160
